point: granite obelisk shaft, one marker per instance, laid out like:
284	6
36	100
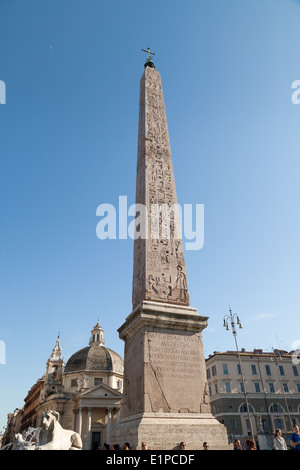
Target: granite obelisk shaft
159	272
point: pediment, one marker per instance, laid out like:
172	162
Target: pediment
101	391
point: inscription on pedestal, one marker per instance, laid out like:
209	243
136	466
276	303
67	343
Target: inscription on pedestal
175	356
175	369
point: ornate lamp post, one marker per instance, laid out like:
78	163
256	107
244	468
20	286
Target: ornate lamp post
234	319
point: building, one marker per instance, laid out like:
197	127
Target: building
272	388
86	392
29	418
13	426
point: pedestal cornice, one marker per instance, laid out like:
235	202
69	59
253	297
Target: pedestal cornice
161	315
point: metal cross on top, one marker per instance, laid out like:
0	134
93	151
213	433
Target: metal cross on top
148	52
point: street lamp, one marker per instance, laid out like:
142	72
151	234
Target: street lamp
234	319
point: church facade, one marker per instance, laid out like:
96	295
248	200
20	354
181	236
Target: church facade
86	391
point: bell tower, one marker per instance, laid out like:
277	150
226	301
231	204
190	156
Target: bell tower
54	371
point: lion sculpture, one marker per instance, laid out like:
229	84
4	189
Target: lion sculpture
51	436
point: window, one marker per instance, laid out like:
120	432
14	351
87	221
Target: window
225	369
281	370
295	370
242	387
243	408
210	392
74	382
227	387
97	381
276	408
278	423
216	388
232	425
285	387
257	387
253	368
214	370
298	388
271	387
208	373
239	369
266	424
268	370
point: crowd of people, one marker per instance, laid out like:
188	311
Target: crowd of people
126	446
279	443
144	446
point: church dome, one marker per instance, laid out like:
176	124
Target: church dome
95	357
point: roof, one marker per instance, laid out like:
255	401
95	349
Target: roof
255	352
95	358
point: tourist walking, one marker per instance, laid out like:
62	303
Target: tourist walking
295	438
279	442
237	445
250	444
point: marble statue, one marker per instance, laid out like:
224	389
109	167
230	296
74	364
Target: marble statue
51	436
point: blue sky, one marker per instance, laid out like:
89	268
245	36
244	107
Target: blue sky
69	142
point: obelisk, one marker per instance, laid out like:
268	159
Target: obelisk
165	398
159	272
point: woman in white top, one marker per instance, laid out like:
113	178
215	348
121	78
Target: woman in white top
279	442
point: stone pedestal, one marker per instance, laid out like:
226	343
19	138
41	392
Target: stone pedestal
164	431
165	390
263	442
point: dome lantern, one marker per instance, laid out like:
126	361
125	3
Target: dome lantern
97	335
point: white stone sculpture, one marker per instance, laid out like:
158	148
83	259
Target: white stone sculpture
19	443
51	436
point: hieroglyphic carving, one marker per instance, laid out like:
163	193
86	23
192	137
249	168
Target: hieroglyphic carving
159	266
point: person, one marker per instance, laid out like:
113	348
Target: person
126	446
144	446
205	446
237	445
295	438
105	446
182	445
116	447
279	443
250	445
